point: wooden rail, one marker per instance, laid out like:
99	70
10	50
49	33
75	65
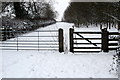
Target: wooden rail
113	43
87	47
87	38
88	32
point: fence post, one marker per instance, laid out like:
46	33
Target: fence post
71	39
3	37
105	37
9	32
61	40
38	40
5	33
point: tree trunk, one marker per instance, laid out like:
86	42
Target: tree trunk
119	16
101	27
109	23
19	10
118	25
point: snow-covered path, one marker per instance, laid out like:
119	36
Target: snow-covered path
52	64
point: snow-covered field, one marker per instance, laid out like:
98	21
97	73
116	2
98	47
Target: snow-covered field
52	64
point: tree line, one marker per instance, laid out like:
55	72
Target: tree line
29	10
89	13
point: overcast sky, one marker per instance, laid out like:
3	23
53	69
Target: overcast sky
60	6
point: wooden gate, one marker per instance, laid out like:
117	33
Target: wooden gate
92	41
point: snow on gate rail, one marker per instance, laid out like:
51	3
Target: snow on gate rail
37	40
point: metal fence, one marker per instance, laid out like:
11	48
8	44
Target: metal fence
37	40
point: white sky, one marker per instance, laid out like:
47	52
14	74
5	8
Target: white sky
60	6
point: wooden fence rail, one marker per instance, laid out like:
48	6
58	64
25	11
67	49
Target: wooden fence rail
113	43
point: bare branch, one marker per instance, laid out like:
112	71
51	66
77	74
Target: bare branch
112	16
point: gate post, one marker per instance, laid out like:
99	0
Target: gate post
61	40
71	39
105	38
2	34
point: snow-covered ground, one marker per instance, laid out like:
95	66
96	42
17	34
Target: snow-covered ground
34	64
52	64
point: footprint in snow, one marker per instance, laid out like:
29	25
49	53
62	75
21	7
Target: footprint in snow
32	70
31	55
